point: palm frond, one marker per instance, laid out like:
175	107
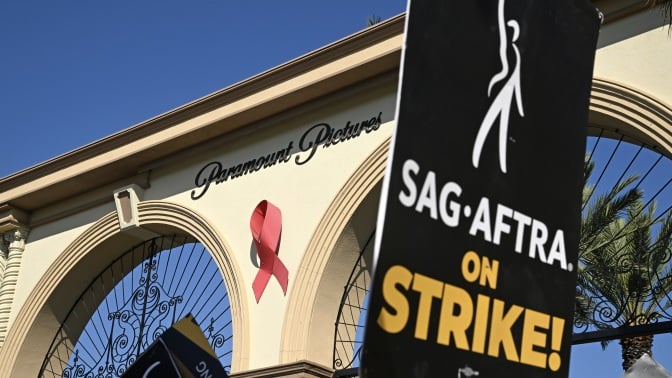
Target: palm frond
624	270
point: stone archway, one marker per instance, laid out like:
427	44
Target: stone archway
615	109
40	317
625	110
309	324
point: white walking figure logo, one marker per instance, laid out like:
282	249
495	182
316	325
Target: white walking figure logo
501	105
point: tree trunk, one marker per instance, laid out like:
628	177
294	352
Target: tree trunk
632	348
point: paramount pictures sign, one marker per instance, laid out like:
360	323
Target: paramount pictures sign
475	271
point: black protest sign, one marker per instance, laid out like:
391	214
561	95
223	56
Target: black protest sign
182	351
475	272
192	350
155	362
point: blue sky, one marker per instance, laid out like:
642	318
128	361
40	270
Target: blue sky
72	72
76	71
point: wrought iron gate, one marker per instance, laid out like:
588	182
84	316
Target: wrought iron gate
349	330
135	299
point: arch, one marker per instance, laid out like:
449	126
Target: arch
625	110
306	334
613	106
35	324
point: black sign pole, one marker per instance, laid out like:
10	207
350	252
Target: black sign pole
476	256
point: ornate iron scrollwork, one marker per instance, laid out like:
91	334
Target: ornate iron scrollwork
145	292
348	333
625	270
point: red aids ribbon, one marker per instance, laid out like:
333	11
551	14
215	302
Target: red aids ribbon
266	226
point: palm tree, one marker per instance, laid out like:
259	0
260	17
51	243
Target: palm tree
372	20
624	272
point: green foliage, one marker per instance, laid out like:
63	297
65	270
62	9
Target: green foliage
372	20
624	272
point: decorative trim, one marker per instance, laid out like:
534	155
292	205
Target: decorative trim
624	9
4	253
623	110
126	201
16	244
299	369
151	212
12	217
23	337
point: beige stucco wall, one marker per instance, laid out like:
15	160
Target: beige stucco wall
637	51
302	192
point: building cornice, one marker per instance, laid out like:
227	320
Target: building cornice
12	218
292	370
356	58
619	111
617	9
